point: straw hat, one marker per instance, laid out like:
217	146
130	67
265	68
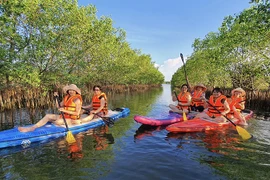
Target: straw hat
200	85
72	87
239	90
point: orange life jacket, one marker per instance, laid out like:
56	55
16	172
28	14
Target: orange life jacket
96	103
231	103
195	99
212	112
183	98
71	106
237	103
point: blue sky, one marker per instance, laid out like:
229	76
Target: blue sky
164	29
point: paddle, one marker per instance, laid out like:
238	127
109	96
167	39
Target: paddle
184	114
241	131
108	121
70	138
182	58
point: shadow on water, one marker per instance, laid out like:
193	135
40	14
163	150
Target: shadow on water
146	130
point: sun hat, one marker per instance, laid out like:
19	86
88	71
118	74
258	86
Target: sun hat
239	90
200	85
72	87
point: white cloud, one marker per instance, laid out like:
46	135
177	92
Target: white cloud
169	67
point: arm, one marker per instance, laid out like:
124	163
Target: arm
242	105
77	112
174	98
55	94
88	106
227	108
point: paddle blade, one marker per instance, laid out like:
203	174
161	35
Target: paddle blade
184	116
243	133
70	138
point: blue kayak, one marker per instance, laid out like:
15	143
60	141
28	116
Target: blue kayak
13	137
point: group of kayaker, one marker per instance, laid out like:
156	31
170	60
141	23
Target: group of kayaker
217	108
71	108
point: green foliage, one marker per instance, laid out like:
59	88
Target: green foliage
237	55
47	42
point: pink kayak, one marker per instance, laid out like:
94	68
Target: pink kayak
162	121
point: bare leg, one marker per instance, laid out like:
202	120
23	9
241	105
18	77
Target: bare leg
220	119
42	122
88	118
175	109
205	116
68	120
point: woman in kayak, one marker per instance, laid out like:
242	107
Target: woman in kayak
70	106
218	107
237	104
238	95
98	105
198	98
184	100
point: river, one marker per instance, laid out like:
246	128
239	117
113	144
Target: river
130	151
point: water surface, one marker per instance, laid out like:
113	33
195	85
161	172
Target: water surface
130	150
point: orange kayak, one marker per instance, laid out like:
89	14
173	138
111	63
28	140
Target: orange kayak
200	125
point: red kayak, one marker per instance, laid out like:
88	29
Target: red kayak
162	121
199	125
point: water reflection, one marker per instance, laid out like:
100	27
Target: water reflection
146	130
155	154
214	141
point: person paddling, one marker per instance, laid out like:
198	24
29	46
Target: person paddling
217	109
198	97
70	106
184	98
98	105
238	100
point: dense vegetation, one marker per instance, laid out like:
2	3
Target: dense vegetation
236	56
52	42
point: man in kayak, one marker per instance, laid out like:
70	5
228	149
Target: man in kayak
198	97
218	107
98	105
184	100
70	106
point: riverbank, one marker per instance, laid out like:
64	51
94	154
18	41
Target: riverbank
20	97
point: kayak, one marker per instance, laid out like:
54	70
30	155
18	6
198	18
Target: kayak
200	125
171	118
13	137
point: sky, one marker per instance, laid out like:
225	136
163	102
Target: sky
164	29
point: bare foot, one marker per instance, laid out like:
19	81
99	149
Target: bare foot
26	129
